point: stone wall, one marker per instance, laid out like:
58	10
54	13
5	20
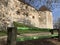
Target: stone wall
14	10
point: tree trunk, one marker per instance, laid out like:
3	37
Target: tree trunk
12	34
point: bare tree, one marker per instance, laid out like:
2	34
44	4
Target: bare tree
57	24
50	4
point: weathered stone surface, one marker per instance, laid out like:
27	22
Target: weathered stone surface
15	10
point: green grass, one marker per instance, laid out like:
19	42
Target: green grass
36	37
22	28
3	33
27	31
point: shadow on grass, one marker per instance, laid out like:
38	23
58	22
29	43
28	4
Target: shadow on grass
36	42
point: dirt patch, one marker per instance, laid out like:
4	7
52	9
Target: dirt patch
36	34
3	41
34	42
40	42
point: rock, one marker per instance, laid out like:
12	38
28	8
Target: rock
14	10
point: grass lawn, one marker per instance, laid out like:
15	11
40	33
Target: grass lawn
3	33
22	28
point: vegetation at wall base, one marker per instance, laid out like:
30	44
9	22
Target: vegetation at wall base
3	33
22	28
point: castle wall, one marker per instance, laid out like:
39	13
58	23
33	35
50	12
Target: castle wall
19	12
